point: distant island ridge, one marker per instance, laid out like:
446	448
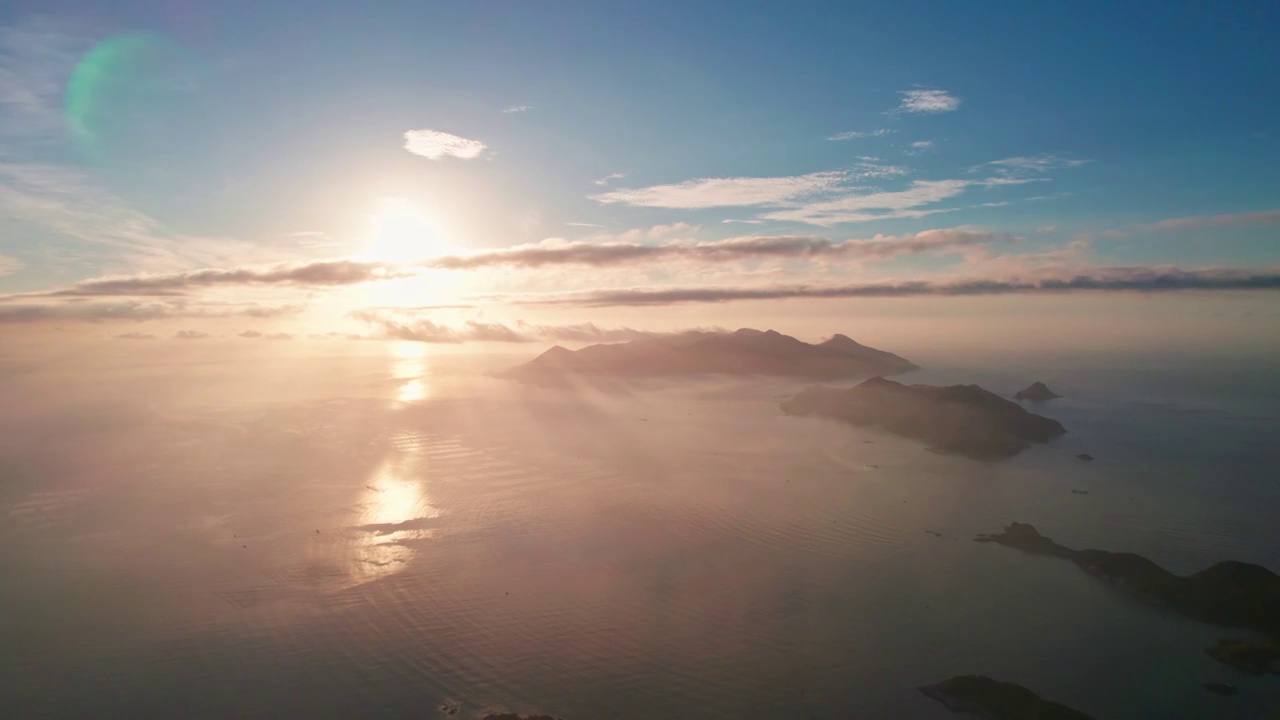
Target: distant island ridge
1228	593
742	352
1036	391
962	419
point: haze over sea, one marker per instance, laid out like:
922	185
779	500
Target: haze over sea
398	535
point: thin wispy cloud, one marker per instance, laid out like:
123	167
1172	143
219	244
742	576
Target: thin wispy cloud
9	265
133	311
36	59
134	336
744	248
428	331
517	108
317	274
435	144
1032	164
852	134
875	205
582	224
725	192
1261	217
745	191
1101	279
610	178
920	147
927	102
94	225
191	335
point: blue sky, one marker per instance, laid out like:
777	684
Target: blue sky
1078	139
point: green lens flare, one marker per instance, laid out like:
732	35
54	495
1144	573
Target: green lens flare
124	91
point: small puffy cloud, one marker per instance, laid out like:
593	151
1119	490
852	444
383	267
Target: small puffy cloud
1046	229
191	335
134	336
517	108
920	147
609	178
928	101
254	334
435	144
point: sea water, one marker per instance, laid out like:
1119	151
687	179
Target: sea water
405	536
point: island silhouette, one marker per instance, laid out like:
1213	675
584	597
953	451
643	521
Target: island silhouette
1229	593
962	419
742	352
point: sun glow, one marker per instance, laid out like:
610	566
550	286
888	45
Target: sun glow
400	232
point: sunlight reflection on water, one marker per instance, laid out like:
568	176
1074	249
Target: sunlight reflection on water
410	367
396	508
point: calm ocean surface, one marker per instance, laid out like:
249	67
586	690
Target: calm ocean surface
403	537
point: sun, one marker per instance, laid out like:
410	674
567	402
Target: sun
401	232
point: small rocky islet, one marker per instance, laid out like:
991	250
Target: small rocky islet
1255	657
1036	392
998	700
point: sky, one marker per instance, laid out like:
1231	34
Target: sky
515	171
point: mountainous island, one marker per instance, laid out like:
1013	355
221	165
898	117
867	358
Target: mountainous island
743	352
961	419
1228	593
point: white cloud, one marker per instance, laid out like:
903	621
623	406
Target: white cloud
1032	164
517	108
851	134
609	178
920	147
928	101
434	144
578	224
725	192
875	205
